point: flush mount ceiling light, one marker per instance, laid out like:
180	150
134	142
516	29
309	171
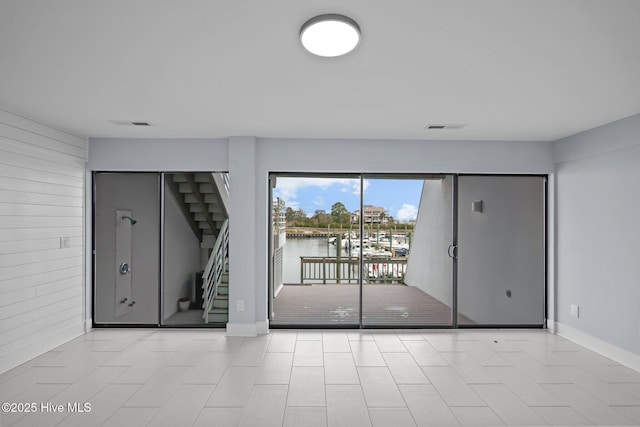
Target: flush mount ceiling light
330	35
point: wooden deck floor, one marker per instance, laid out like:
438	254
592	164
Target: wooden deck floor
383	305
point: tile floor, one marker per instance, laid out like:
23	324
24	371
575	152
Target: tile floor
322	378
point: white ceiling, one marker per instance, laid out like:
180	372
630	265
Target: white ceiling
508	69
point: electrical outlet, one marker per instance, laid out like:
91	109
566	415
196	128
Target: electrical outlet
240	305
65	242
575	310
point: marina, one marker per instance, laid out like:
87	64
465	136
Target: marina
347	270
315	260
352	264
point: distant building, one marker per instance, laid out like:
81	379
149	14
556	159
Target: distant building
372	215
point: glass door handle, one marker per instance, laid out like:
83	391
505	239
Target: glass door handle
452	251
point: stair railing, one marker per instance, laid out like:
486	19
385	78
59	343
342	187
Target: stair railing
221	180
215	269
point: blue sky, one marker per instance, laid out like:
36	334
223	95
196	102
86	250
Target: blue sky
401	198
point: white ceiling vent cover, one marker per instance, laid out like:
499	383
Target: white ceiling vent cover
130	123
441	126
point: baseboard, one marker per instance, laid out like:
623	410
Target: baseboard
262	328
550	325
88	325
247	329
615	353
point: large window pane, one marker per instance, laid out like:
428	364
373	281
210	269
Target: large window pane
194	245
407	278
315	264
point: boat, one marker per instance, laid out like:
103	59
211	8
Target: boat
393	244
369	252
348	239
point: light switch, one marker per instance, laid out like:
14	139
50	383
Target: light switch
575	310
476	206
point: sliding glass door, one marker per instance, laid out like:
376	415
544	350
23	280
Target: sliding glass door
361	251
501	266
194	216
161	249
315	257
126	248
407	267
407	251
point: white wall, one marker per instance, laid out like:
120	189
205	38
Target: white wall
245	266
596	180
384	156
598	206
181	255
429	267
41	201
249	161
157	155
400	156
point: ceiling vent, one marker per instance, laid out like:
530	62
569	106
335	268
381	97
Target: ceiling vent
129	123
444	126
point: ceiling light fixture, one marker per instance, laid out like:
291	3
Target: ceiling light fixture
330	35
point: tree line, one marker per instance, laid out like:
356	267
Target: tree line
339	216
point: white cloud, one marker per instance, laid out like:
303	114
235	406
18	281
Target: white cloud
293	205
407	213
356	186
287	188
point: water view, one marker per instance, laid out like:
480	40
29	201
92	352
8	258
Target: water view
295	248
330	295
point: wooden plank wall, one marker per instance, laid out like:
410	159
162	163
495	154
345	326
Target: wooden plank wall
42	180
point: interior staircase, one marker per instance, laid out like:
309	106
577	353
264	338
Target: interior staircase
219	313
204	201
203	204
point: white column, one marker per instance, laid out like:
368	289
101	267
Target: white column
243	213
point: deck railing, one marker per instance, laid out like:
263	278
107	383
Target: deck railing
346	270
